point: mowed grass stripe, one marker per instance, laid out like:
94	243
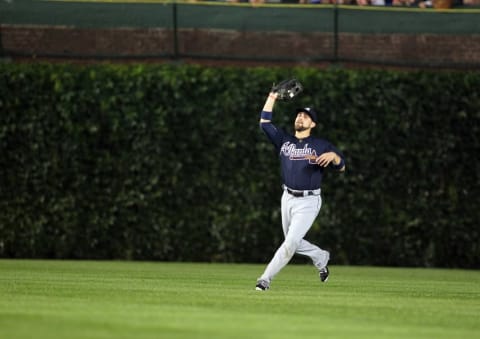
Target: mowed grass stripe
108	299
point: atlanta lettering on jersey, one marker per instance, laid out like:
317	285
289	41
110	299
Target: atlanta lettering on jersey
291	151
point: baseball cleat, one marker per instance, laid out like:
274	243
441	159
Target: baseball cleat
324	274
262	285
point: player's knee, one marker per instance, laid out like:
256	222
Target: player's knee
291	246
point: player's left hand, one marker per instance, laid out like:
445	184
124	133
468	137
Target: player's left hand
287	89
325	159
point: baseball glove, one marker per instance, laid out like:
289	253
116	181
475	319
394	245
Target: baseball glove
287	89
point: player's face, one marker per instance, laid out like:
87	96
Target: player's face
303	122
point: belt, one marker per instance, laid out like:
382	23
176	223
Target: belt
298	194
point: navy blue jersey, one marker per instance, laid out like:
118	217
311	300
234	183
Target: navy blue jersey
297	157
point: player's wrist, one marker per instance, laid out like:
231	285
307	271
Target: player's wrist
266	115
336	160
340	164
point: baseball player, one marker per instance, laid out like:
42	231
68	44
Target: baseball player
303	159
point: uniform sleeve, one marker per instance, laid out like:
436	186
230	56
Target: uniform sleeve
332	148
273	133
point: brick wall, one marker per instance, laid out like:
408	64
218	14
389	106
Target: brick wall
64	41
425	49
148	43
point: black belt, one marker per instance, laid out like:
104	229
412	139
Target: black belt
301	193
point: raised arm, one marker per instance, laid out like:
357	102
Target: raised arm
266	115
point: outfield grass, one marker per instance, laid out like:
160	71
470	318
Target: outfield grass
78	299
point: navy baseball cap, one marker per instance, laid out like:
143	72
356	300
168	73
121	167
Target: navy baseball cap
310	111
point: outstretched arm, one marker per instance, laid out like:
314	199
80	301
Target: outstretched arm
268	107
275	135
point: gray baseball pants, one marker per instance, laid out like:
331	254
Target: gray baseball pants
298	215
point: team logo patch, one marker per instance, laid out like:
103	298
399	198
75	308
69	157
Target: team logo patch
291	151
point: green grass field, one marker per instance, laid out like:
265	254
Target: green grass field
104	299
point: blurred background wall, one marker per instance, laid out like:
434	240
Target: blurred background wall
305	34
